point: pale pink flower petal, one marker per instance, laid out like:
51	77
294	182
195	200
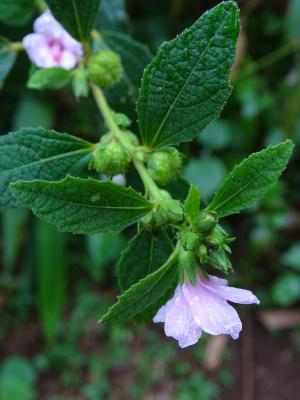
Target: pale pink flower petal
68	60
217	281
235	295
213	314
179	321
51	45
37	50
119	179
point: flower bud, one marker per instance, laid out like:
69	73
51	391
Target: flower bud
188	266
206	222
190	240
217	237
203	253
163	166
121	120
169	211
105	68
219	260
109	157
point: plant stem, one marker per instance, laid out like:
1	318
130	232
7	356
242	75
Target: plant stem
107	113
16	46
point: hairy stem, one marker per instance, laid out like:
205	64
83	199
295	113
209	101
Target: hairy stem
107	113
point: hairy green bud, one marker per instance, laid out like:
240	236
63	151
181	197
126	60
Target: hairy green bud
203	253
163	166
170	211
105	68
189	240
121	119
219	260
109	157
206	222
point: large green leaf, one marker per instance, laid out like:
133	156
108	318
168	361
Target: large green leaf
146	252
82	205
77	16
251	179
186	85
35	153
144	293
7	59
17	12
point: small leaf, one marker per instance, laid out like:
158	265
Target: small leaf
286	289
77	16
35	153
192	203
186	85
291	258
7	59
49	78
146	252
143	294
251	179
84	206
17	12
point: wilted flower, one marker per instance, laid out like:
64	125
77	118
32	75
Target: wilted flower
203	307
51	45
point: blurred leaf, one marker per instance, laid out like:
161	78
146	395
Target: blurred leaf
292	22
33	111
206	173
84	206
103	249
49	78
19	368
77	16
291	258
13	222
217	135
173	104
7	58
112	15
251	179
51	277
17	12
286	289
38	153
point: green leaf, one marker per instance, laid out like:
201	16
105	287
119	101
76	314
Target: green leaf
84	206
143	294
49	78
146	252
17	12
286	289
77	16
7	59
192	203
35	153
112	15
251	179
51	277
186	85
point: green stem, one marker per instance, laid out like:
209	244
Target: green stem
16	46
149	184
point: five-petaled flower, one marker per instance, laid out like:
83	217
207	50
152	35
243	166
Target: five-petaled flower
203	307
51	45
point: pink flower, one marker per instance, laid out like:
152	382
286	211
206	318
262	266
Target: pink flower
203	307
51	45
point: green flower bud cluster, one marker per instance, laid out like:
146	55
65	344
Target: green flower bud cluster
110	157
105	68
164	166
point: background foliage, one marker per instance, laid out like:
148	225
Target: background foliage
54	286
